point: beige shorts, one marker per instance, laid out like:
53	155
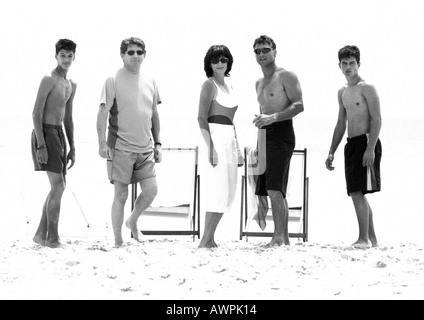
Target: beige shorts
128	167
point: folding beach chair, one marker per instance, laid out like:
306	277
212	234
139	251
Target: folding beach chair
256	213
176	208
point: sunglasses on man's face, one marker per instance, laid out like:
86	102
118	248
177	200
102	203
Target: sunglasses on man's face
221	59
263	50
139	52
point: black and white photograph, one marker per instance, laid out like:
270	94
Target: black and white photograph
211	150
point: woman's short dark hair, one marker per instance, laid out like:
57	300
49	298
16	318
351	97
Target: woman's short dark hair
265	40
132	41
65	44
350	51
215	52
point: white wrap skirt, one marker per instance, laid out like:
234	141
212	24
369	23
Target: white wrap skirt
221	180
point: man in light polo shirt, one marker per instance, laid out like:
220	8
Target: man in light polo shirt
129	100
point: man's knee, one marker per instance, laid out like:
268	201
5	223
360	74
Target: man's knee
58	188
150	188
275	194
57	182
357	195
121	193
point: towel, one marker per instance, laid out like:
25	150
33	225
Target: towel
259	205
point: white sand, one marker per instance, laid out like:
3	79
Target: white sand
176	269
324	268
90	268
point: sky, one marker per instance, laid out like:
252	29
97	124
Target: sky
308	35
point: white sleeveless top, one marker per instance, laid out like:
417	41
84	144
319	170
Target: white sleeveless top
224	99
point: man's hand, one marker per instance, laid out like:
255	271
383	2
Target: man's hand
105	151
158	153
368	158
329	162
262	120
71	157
42	155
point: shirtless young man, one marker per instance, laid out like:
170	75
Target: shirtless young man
53	106
280	98
359	107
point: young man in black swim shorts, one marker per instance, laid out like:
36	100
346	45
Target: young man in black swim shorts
280	98
53	106
359	108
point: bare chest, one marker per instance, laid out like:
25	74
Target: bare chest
353	100
62	91
271	93
57	99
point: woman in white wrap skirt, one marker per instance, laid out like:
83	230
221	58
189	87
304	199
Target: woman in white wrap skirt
217	108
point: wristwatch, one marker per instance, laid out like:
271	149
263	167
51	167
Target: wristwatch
43	146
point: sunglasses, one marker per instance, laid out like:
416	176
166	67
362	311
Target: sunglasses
222	60
263	50
139	52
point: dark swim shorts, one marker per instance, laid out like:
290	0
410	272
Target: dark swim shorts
280	143
56	149
358	177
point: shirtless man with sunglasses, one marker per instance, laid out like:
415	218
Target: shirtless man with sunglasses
280	99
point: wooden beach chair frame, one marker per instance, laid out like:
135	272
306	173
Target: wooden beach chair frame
295	213
178	210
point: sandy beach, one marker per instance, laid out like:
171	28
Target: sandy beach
173	268
176	270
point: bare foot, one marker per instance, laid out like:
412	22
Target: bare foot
134	230
207	244
53	245
39	240
374	242
361	245
276	242
118	244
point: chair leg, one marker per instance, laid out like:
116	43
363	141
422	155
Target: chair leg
242	207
